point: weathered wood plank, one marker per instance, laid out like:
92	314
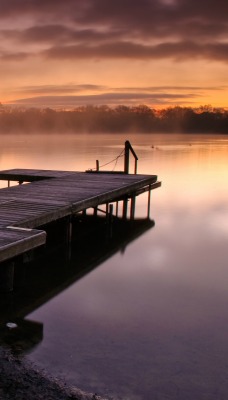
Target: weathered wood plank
52	195
14	241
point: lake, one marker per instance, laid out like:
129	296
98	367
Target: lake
150	321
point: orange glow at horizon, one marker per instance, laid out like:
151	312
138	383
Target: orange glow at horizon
138	83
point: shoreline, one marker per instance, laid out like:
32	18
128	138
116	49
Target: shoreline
20	380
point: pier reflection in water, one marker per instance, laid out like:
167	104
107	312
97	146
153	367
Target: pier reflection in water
55	268
150	323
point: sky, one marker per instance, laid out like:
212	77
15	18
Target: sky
161	53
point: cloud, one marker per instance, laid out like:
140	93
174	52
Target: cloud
146	29
126	50
71	88
168	88
58	89
82	94
56	33
180	51
180	18
72	94
110	99
16	56
48	8
145	15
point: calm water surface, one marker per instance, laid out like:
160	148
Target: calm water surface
151	322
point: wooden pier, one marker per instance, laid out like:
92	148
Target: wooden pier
43	196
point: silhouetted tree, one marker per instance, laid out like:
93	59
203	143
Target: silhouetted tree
122	118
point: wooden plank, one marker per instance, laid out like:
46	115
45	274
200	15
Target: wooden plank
14	241
60	194
30	175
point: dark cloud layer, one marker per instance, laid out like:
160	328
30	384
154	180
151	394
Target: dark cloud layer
112	98
145	29
59	89
71	88
71	95
126	50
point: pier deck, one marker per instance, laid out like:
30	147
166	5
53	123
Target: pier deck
48	196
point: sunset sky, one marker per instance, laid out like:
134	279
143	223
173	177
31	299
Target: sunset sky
76	52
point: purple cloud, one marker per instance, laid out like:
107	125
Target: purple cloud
149	29
126	50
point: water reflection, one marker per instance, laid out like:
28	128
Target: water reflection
50	273
151	322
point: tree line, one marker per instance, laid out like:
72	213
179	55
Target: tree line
142	118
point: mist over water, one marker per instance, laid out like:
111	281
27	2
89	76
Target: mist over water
150	322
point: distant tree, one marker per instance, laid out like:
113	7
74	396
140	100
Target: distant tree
121	118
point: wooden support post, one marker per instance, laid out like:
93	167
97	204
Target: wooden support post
28	256
117	207
128	149
111	213
95	211
68	237
126	157
97	165
148	205
68	230
7	277
8	183
107	209
110	220
133	201
125	207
